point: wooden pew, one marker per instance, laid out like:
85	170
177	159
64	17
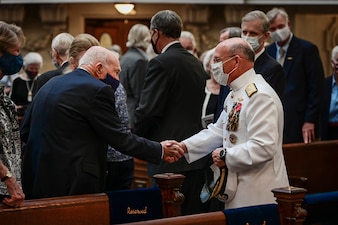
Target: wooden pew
314	163
82	209
289	201
314	167
86	209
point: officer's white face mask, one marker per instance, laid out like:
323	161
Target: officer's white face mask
218	73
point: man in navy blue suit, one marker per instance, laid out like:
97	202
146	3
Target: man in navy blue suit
255	30
68	127
304	73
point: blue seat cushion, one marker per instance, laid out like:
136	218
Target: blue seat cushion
321	198
135	205
253	215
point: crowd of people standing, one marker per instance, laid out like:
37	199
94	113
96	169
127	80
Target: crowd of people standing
224	115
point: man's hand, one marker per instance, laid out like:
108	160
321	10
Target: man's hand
15	191
308	131
172	151
215	157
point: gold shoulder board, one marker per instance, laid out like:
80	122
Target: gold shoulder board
251	89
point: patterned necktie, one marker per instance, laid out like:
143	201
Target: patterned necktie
281	56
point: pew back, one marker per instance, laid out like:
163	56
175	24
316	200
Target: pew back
77	210
212	218
316	161
101	209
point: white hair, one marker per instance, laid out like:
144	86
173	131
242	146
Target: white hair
96	54
62	42
334	52
32	58
189	35
207	58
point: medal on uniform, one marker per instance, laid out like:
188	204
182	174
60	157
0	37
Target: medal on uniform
233	138
233	117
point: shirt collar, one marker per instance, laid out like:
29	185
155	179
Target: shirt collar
168	45
243	79
259	53
333	81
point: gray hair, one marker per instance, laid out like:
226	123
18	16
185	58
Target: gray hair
138	36
258	15
244	49
233	31
62	42
32	58
273	13
168	22
189	35
334	52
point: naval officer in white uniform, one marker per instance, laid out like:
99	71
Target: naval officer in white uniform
250	129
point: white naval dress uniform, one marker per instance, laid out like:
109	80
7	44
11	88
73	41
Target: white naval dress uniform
251	129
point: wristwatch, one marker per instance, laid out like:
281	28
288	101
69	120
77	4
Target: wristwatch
222	154
8	175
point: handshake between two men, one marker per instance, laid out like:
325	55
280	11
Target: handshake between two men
173	150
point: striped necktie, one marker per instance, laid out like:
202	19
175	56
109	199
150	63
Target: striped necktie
281	55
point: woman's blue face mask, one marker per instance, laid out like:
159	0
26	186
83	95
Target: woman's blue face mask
10	64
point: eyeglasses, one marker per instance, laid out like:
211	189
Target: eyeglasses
218	59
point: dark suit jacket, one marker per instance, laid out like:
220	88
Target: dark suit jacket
303	89
43	78
171	101
269	68
326	108
67	129
134	67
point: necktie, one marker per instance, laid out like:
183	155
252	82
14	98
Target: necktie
281	56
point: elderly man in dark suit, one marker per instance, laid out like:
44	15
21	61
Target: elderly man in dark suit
304	73
255	30
71	121
171	102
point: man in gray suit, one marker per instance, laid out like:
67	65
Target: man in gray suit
134	65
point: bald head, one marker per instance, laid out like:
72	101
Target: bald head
236	46
99	62
239	53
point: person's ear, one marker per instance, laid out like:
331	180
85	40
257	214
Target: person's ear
72	62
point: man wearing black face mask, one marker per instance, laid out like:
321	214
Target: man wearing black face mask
23	85
69	157
171	102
